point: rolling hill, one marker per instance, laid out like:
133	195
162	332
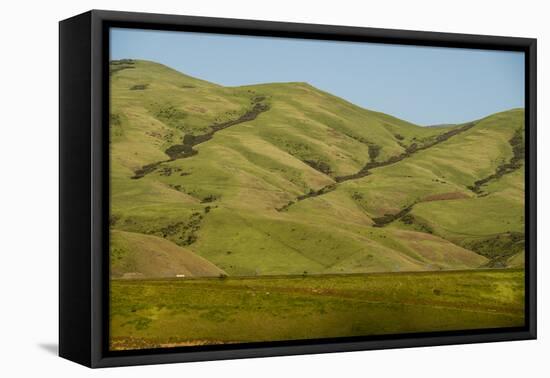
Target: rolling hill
283	178
138	256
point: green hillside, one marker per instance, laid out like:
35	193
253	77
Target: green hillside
284	178
144	256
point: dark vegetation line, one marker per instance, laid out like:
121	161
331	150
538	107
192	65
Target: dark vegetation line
405	216
312	193
180	233
185	150
518	149
386	219
323	167
496	248
409	151
119	65
365	171
409	219
373	149
319	166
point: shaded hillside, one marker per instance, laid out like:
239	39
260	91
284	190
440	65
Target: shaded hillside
143	256
209	169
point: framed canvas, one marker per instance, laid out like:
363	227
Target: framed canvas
234	188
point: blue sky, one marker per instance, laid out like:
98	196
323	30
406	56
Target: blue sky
424	85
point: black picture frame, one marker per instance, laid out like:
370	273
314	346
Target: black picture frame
83	182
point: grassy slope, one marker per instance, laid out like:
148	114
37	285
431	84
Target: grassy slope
221	203
148	314
479	221
142	256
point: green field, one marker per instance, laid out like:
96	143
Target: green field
211	184
162	313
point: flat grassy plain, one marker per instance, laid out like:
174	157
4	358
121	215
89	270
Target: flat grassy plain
203	311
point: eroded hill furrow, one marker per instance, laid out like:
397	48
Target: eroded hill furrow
366	170
387	219
409	151
518	150
496	248
186	150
